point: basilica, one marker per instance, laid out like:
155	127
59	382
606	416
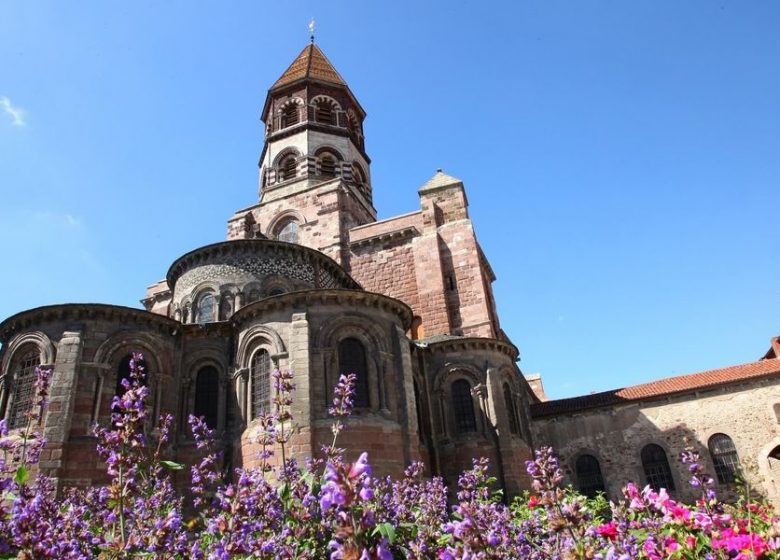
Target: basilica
308	280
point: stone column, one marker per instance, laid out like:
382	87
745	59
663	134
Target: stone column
61	402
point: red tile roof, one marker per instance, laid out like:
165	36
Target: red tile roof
311	63
660	388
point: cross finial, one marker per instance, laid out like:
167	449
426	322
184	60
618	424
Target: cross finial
311	29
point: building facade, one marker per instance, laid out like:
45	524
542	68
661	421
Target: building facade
309	280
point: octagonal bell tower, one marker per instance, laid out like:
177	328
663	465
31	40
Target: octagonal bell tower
313	131
315	180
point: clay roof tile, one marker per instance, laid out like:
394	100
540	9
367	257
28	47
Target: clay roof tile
660	388
310	64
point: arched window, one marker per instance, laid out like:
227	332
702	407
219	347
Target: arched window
123	372
358	176
324	111
290	115
463	407
724	456
287	231
207	395
275	291
261	383
352	359
288	168
23	385
206	305
511	410
656	467
252	296
589	479
327	165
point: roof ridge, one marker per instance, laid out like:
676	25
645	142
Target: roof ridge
661	387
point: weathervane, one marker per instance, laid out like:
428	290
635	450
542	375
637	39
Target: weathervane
311	30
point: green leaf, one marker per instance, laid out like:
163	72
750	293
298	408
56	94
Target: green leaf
386	530
22	475
172	465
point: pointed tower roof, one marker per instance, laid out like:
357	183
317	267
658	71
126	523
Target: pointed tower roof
310	64
441	179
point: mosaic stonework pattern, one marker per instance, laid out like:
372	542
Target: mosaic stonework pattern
241	269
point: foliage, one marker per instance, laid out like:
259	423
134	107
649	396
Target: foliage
335	509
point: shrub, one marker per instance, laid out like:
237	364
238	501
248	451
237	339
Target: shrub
335	509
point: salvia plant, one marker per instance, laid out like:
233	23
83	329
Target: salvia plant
334	508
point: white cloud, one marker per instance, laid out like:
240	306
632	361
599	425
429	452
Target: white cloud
17	114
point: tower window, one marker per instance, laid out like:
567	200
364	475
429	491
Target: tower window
324	112
207	395
589	479
724	456
463	407
288	231
656	467
289	115
328	165
352	359
261	383
288	168
24	387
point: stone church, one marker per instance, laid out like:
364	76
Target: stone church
309	280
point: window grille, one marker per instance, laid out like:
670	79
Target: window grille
261	383
589	479
463	407
724	456
656	467
24	388
207	395
352	359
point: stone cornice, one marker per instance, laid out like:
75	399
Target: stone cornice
310	298
394	235
203	255
469	343
84	312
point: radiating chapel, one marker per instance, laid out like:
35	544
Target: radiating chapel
309	280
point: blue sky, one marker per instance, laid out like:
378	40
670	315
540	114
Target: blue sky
621	159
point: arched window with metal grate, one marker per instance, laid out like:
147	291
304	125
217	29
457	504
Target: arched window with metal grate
207	395
352	359
261	383
463	407
23	385
724	456
589	479
658	474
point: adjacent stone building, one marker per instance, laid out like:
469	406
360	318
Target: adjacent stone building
308	280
